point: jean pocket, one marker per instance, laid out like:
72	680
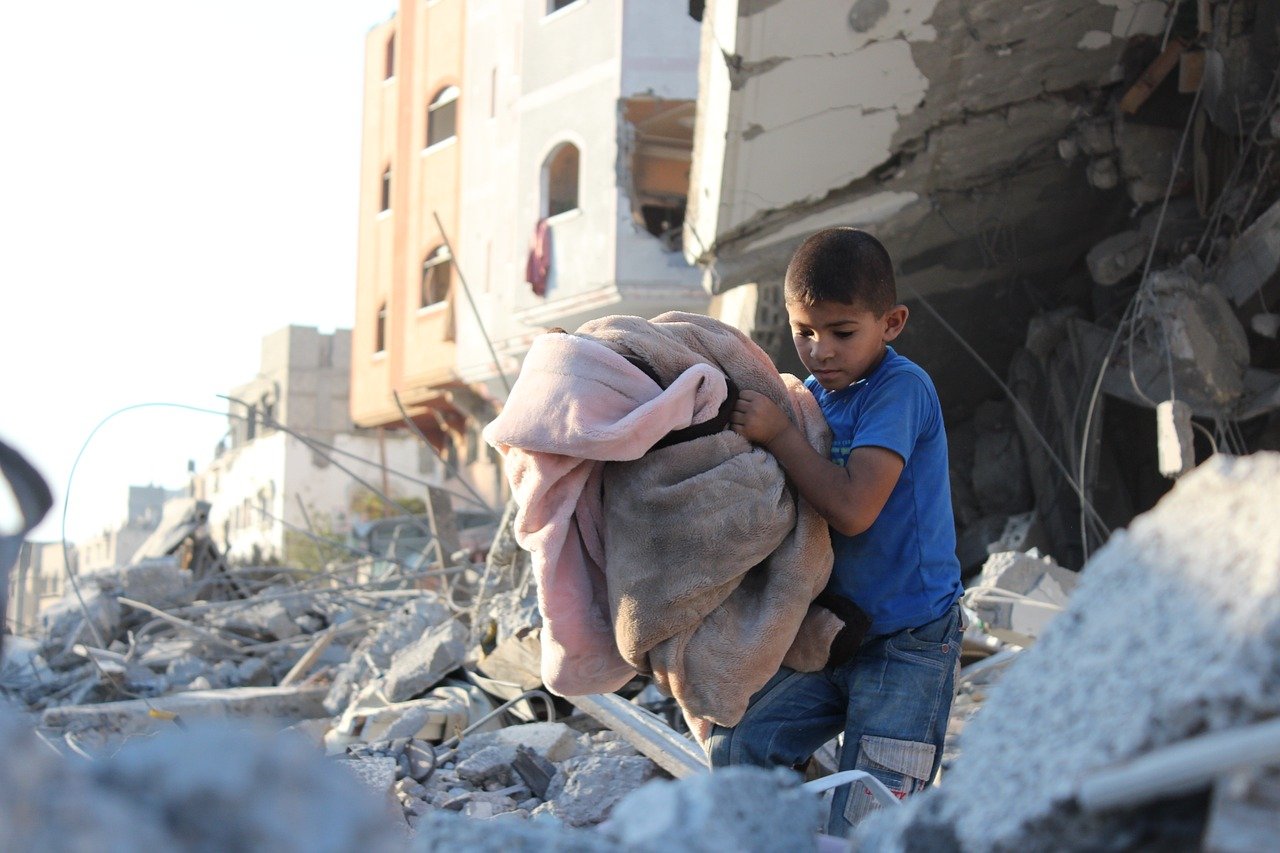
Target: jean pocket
902	766
932	642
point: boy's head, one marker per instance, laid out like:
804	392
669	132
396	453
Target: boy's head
842	304
842	265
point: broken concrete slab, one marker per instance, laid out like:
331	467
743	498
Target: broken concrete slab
1017	595
736	808
422	664
136	715
1254	258
372	655
589	786
265	620
1174	630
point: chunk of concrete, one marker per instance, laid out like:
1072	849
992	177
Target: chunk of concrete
1174	630
737	808
265	620
1018	595
377	773
1117	257
1209	348
553	741
373	654
493	763
420	665
592	785
1254	258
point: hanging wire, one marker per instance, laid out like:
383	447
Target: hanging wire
1133	313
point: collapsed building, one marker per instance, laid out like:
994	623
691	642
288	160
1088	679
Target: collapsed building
1081	198
1075	193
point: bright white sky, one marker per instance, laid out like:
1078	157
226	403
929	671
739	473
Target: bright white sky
177	180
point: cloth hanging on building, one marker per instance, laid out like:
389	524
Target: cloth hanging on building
537	268
695	562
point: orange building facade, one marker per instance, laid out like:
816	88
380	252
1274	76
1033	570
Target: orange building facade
407	290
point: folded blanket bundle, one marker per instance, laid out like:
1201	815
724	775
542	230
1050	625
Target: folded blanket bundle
694	561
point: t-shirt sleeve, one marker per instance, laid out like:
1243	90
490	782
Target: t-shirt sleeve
901	410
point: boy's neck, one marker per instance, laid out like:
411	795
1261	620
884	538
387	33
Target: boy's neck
884	351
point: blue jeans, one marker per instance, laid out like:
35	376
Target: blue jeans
891	700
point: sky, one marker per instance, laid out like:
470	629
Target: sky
177	180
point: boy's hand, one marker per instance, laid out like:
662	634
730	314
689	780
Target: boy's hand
757	418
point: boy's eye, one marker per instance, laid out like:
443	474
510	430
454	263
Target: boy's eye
844	335
804	333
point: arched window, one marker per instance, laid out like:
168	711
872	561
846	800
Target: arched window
435	278
380	330
442	116
391	57
560	180
386	189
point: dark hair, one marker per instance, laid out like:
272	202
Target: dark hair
843	265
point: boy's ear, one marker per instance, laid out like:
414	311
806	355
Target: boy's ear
895	320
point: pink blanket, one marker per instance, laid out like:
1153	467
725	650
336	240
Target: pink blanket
696	561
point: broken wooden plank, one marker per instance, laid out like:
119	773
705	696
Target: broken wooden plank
646	732
1151	79
309	657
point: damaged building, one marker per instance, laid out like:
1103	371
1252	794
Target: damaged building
1077	196
1083	204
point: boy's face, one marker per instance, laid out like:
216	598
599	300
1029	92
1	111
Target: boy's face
840	344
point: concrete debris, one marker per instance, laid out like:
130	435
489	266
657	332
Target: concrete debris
422	664
1117	257
1173	631
739	808
1017	595
593	785
180	791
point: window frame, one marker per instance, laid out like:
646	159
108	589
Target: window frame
545	202
448	96
434	260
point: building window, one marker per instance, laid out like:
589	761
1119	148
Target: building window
442	116
557	5
391	57
380	331
560	180
386	190
435	278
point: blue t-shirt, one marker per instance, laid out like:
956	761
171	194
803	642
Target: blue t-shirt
903	569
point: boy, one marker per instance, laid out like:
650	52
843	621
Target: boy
886	495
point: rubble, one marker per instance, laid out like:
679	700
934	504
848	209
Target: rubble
1017	595
1172	632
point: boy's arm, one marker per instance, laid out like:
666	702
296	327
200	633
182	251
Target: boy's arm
849	497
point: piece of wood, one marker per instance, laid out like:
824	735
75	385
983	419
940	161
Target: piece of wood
653	738
1151	79
309	657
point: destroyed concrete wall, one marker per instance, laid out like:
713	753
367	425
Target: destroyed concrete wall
932	124
1173	631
